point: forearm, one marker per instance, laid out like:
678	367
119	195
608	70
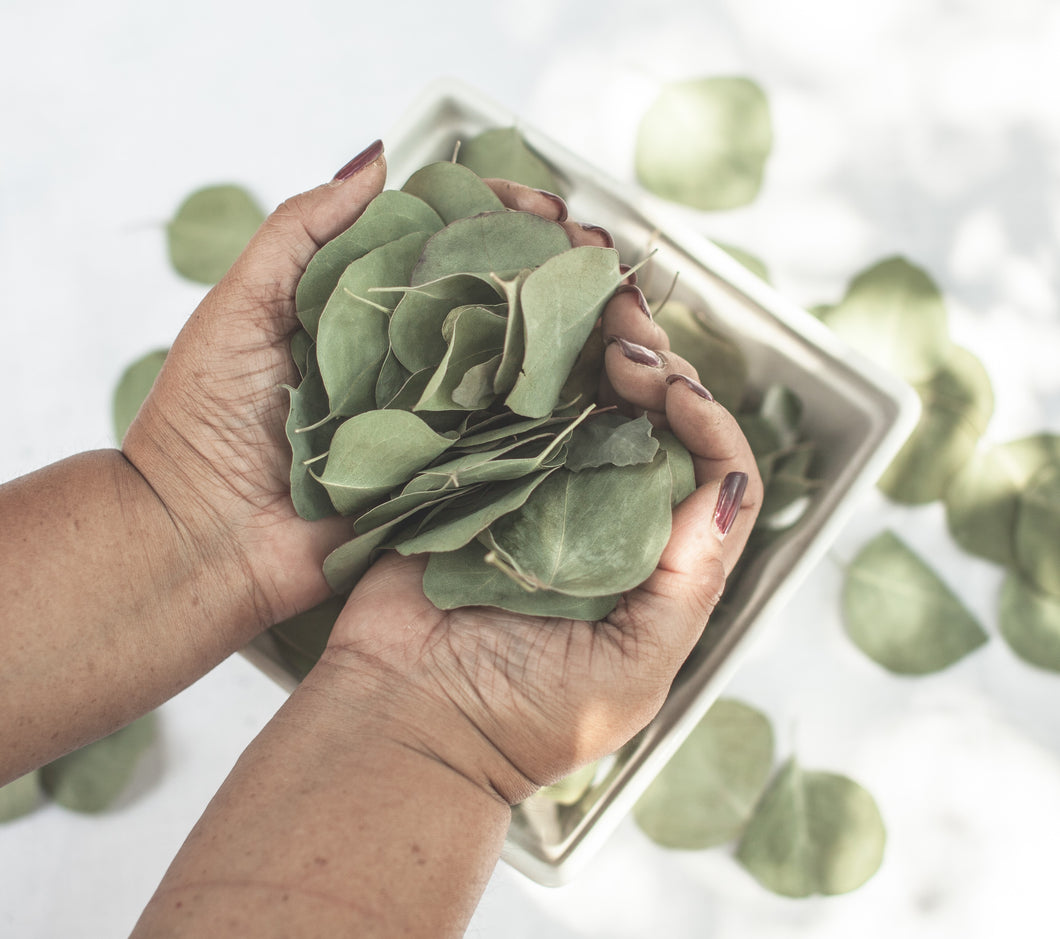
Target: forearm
107	607
332	824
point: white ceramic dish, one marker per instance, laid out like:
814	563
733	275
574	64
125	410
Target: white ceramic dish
856	414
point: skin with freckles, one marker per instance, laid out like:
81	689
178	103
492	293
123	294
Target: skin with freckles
376	802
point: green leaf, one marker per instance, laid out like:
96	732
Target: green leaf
400	444
301	639
503	153
611	439
894	313
704	143
495	244
20	796
591	533
389	216
705	795
92	778
463	578
1030	622
813	833
561	302
957	403
682	469
721	365
354	333
982	499
901	614
453	191
477	336
309	405
570	789
210	230
132	389
1037	533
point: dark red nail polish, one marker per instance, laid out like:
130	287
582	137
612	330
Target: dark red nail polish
729	498
609	242
561	206
691	383
638	296
363	159
642	355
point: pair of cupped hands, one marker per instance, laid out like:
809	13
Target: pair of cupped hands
511	702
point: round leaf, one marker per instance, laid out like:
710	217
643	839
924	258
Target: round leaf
1037	533
133	387
501	152
1030	622
210	230
453	191
704	143
957	403
704	796
813	833
894	314
901	614
982	499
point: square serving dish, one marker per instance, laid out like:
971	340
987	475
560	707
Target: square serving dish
856	415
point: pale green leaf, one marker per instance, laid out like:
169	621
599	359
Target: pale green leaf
503	153
1037	532
611	439
132	389
20	797
210	230
1030	622
453	191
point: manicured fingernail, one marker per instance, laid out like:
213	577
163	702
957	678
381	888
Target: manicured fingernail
691	383
729	498
625	270
609	242
363	159
642	355
561	206
638	296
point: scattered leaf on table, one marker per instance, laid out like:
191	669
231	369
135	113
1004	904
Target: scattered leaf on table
704	143
813	833
1030	622
1037	533
92	778
210	230
957	403
706	793
20	796
894	313
901	614
982	499
133	387
501	152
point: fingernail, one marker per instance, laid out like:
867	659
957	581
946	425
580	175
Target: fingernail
609	242
363	159
630	278
638	295
729	498
639	354
691	383
561	206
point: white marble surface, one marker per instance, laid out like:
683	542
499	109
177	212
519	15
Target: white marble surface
926	128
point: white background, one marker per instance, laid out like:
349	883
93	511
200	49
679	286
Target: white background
926	128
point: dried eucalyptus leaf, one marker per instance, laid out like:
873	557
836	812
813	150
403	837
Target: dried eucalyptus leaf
20	797
503	153
957	403
561	302
477	336
894	313
301	639
1037	534
309	404
493	244
475	390
400	444
705	795
354	334
92	778
389	216
704	143
132	389
463	578
210	230
453	191
1030	622
789	481
982	499
899	612
591	533
783	409
611	439
721	365
813	833
513	460
514	337
303	348
682	469
392	378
